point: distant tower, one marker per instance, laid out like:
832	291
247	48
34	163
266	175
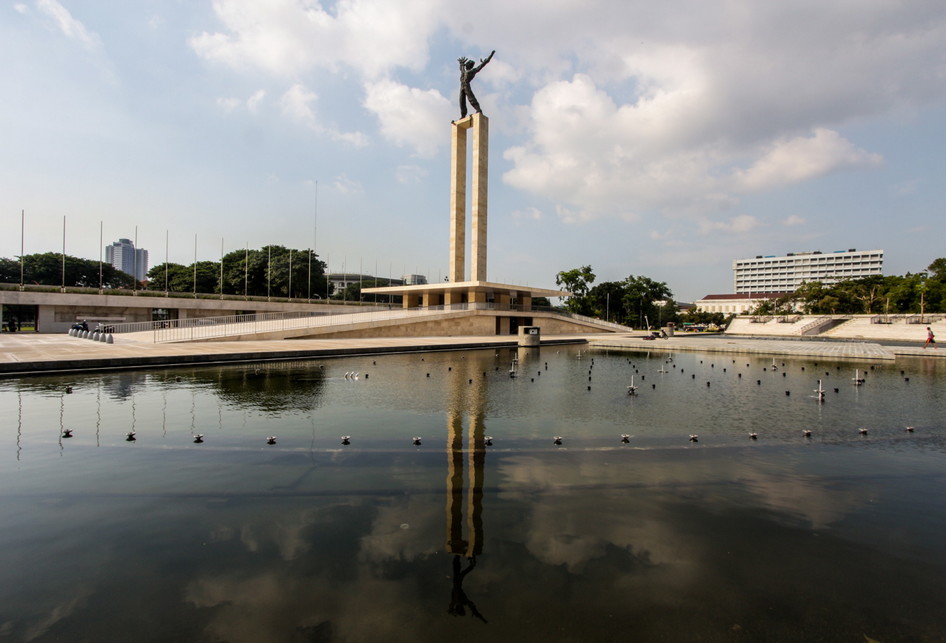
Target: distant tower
123	256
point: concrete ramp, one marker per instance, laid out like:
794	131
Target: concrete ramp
398	322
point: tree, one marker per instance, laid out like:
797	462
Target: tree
764	308
576	281
808	294
47	269
180	278
265	272
696	316
868	291
604	301
937	269
9	271
642	296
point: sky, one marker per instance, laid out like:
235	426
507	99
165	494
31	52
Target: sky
640	138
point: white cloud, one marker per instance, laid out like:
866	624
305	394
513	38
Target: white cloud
229	104
531	214
662	112
253	102
345	185
740	224
293	103
803	158
297	104
906	188
605	159
289	37
69	26
410	174
794	220
409	116
651	116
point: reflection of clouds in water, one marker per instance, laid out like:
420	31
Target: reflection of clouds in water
583	528
286	604
569	531
306	592
395	529
803	496
258	607
286	534
58	612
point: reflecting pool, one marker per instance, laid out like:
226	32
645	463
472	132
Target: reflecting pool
650	537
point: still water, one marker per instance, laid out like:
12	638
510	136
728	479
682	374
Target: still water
836	537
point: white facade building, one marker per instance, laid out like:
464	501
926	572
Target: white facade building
733	304
786	273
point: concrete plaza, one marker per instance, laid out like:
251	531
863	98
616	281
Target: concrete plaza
31	353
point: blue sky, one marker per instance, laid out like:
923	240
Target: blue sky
656	139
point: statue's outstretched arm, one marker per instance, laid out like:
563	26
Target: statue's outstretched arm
484	61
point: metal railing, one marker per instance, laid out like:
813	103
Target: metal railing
918	319
816	326
593	320
177	330
171	294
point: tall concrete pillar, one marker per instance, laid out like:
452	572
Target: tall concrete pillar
479	204
480	126
458	200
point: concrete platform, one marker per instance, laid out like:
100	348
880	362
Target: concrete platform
858	327
842	350
30	353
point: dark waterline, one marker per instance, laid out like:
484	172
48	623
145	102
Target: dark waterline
783	538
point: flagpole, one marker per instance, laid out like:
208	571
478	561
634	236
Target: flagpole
63	253
22	237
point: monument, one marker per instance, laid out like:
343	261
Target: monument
473	291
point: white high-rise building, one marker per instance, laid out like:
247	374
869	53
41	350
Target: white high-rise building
123	255
786	273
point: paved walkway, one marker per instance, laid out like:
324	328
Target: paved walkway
29	353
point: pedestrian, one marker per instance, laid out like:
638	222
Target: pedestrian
929	338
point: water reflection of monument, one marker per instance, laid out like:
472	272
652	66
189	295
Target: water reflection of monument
465	473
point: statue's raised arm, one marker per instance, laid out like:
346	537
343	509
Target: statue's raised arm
467	72
486	60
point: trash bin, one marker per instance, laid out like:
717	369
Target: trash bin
529	336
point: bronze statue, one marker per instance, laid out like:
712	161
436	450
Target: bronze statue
467	72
